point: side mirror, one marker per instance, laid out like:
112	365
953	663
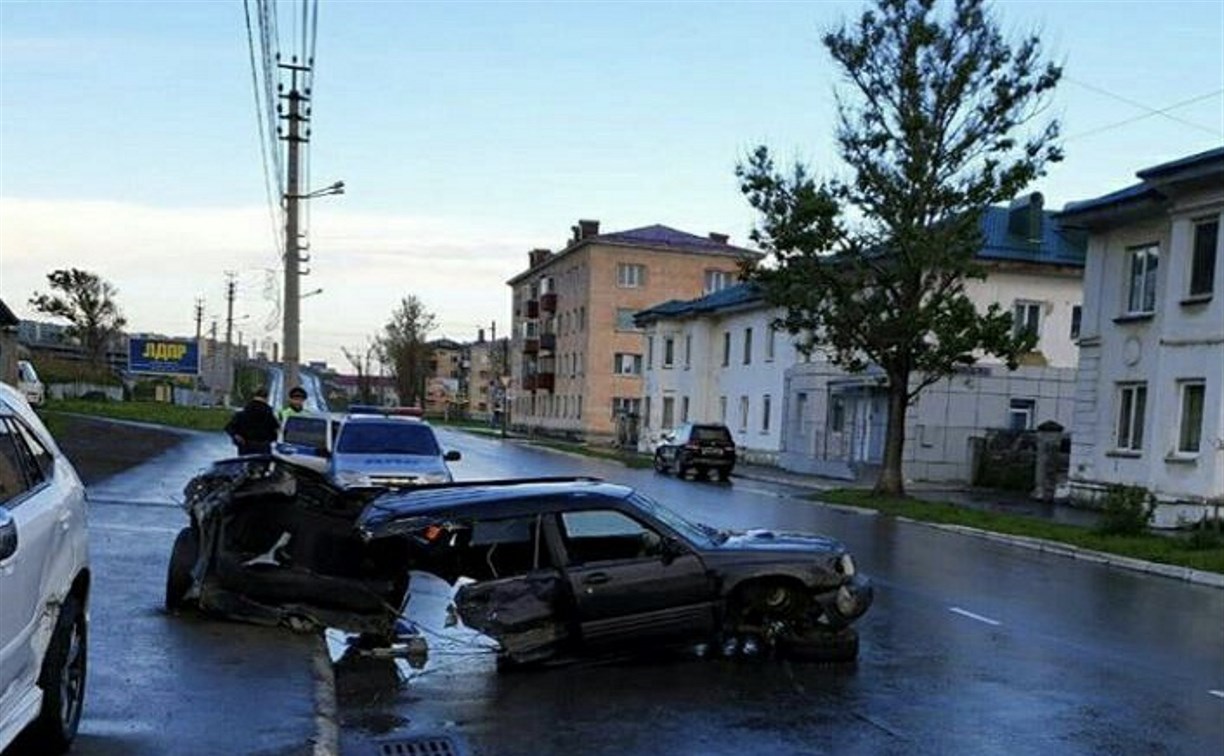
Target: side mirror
452	456
8	534
671	549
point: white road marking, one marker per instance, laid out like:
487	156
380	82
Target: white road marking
1217	693
132	528
972	616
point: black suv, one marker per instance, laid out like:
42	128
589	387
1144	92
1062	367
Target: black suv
543	566
700	447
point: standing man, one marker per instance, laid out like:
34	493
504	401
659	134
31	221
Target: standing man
296	406
254	427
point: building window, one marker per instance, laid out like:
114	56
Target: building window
1203	258
688	351
722	410
623	405
630	276
726	348
580	406
770	338
1020	414
627	364
1190	436
765	408
1141	298
669	352
650	352
624	319
1077	318
743	413
716	280
1026	318
684	409
669	412
646	414
582	318
747	346
837	412
1132	400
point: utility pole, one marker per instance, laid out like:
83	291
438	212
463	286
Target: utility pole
199	320
295	137
231	287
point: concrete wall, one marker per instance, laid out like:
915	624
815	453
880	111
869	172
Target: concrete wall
1058	290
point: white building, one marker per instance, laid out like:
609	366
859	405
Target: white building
807	415
1149	410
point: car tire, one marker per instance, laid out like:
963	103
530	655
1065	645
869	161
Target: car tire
820	646
183	558
63	680
724	474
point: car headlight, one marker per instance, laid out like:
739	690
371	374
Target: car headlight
845	565
434	478
352	478
847	602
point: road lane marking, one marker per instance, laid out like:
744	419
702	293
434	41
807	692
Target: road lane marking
132	528
972	616
1217	693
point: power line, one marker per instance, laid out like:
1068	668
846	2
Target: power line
1144	116
1135	103
263	137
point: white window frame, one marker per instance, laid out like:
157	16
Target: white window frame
766	409
1129	428
1212	253
669	352
688	351
1184	430
668	417
1026	316
1025	407
630	275
771	335
629	325
748	345
627	363
717	280
1077	321
1142	270
726	355
684	409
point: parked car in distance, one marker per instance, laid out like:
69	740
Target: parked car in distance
388	451
307	439
44	583
700	447
544	567
29	384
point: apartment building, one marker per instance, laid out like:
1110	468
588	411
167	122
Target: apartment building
576	355
1149	410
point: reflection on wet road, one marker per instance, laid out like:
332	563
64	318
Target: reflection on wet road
971	647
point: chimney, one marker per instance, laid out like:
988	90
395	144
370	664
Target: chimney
719	238
587	229
538	256
1024	217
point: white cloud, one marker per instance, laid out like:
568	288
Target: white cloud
161	259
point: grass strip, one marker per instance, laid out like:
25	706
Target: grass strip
158	413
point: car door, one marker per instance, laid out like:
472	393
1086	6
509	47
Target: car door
627	586
29	503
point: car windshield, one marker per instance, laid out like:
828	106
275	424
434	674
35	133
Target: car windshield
695	532
388	438
306	431
711	433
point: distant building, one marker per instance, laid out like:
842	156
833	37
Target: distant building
9	344
1149	407
576	356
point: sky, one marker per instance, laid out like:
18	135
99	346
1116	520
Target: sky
470	132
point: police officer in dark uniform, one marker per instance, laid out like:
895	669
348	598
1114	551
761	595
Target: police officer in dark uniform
254	427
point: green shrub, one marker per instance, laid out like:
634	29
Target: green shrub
1127	511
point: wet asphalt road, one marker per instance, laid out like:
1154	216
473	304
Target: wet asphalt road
972	647
182	685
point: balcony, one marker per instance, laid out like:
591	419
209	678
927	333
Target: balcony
533	308
531	346
548	342
545	381
548	302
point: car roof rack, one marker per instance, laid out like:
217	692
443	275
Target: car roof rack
500	482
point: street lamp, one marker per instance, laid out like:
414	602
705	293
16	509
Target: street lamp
311	293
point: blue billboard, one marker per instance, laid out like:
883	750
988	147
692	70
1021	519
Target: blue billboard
163	356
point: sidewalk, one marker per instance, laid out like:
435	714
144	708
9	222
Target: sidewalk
1006	502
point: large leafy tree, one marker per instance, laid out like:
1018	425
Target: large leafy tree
402	346
87	302
936	122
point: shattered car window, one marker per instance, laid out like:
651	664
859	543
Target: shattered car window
388	438
695	533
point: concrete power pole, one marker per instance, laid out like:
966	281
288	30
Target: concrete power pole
295	137
199	320
231	287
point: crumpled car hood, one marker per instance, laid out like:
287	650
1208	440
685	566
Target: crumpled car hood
771	541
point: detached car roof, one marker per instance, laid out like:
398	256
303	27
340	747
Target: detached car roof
483	499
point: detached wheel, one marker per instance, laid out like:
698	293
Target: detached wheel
821	646
63	680
183	558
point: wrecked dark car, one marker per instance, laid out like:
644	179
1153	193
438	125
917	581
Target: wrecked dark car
546	567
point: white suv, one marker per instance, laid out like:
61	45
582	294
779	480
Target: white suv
44	583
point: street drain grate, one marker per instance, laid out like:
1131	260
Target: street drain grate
420	745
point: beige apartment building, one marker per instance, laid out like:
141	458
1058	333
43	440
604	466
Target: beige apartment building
576	357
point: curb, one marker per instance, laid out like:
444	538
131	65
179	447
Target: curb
327	731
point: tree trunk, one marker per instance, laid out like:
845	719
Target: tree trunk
891	481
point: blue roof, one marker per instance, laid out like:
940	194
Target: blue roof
1180	163
665	236
1146	189
736	296
1059	245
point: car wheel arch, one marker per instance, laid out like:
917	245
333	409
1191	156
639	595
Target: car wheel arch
738	591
